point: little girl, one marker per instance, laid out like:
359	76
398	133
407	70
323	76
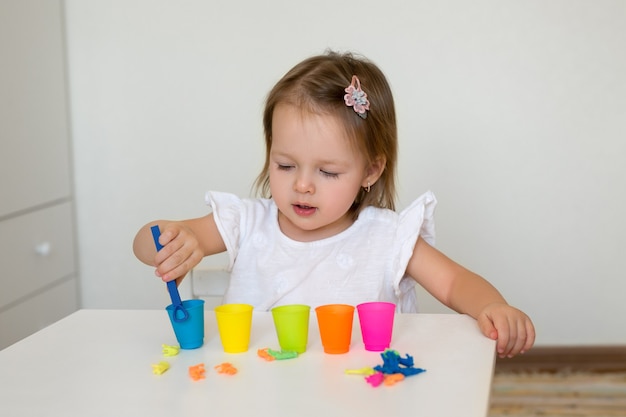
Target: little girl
325	230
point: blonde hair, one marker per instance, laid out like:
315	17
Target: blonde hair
317	85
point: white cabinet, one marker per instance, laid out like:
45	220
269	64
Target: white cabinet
38	279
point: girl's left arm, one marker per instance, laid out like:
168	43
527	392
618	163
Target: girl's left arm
468	293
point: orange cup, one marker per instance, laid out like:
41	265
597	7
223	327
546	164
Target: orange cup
335	325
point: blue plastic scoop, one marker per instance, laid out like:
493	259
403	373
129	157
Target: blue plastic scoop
171	285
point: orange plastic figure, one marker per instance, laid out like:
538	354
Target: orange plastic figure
265	355
196	372
226	368
391	379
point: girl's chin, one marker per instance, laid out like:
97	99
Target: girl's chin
301	230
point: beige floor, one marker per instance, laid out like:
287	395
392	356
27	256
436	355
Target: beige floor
563	393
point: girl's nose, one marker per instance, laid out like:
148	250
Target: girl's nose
303	184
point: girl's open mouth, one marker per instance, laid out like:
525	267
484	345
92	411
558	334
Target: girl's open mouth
302	210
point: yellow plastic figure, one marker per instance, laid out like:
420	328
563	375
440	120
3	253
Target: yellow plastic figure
160	367
362	371
169	350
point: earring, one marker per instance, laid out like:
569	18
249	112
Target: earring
368	187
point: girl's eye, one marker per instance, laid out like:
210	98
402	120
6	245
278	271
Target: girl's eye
329	174
284	167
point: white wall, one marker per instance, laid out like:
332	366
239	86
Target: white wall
512	112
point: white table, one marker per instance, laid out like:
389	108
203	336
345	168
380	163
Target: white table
98	363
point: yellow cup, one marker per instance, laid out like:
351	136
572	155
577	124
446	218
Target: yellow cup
234	322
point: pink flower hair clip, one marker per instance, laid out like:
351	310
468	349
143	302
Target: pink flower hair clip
356	98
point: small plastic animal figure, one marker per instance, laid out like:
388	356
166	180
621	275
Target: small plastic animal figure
196	372
169	350
159	368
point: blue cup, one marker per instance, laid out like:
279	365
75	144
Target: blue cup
190	332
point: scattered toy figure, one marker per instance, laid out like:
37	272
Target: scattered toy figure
375	379
226	368
160	367
393	370
393	363
270	355
196	372
362	371
169	350
265	355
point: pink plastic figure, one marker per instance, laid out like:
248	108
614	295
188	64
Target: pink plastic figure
375	379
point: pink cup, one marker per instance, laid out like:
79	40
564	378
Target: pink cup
376	319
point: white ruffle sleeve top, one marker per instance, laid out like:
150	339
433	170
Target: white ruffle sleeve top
366	262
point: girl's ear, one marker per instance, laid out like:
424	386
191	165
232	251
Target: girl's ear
374	171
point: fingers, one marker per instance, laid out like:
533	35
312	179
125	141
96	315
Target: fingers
503	347
487	327
530	338
515	331
507	338
179	255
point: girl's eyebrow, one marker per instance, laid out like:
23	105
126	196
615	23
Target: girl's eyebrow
333	162
329	161
323	162
278	153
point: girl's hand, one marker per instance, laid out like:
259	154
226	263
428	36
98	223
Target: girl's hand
181	252
511	327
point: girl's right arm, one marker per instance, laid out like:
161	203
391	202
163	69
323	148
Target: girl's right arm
184	242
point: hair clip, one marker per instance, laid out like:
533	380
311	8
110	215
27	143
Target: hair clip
356	98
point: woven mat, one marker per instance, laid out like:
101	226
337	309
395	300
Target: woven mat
559	394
